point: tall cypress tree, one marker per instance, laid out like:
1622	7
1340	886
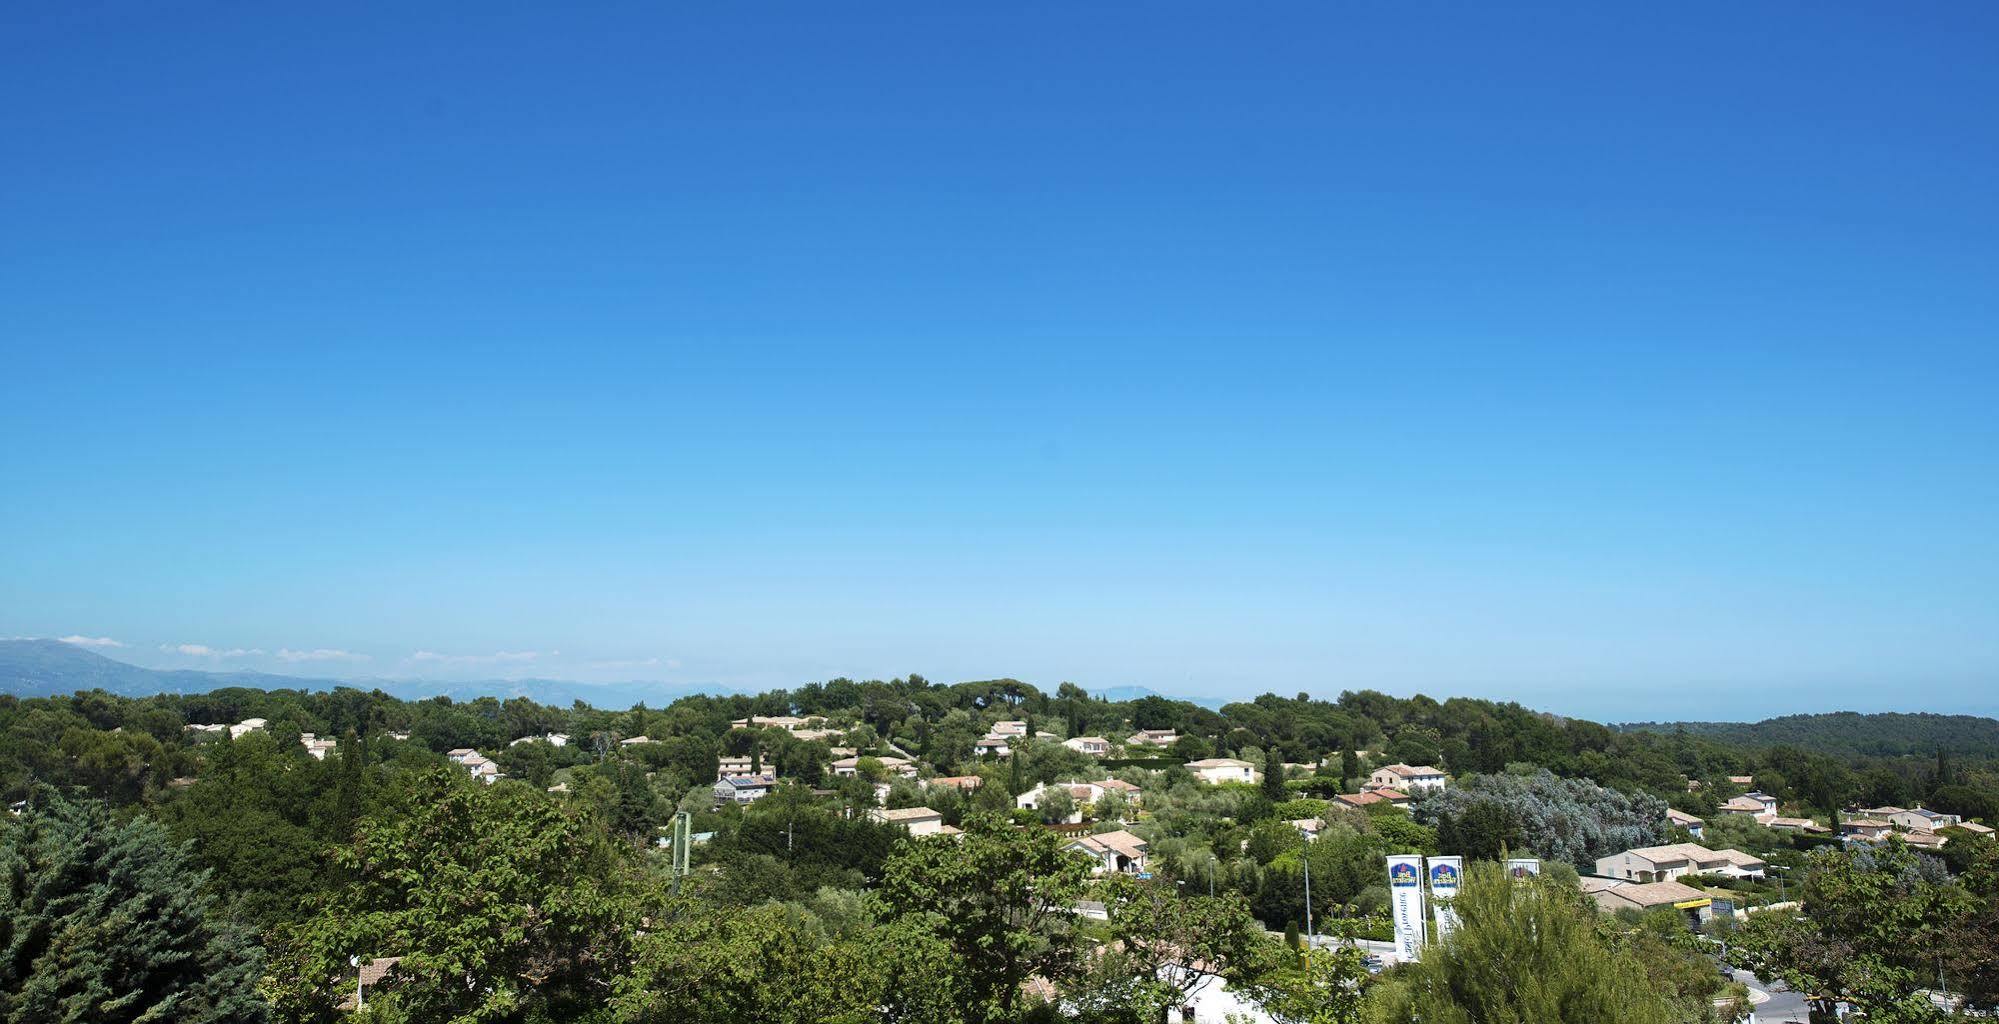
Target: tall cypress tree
1273	776
106	922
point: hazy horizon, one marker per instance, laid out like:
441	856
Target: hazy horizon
1638	365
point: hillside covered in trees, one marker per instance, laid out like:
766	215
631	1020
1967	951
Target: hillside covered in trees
300	829
1850	734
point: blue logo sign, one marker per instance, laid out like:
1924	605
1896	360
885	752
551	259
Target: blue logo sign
1445	875
1402	874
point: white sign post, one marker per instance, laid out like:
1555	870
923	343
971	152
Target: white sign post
1405	895
1445	873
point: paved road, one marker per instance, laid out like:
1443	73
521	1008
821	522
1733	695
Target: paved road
1784	1006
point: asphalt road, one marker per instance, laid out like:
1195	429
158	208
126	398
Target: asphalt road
1784	1007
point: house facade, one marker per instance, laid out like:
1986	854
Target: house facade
743	789
1095	746
1223	769
1408	778
1118	852
1666	863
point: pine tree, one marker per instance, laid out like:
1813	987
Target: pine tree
1349	766
106	922
1533	951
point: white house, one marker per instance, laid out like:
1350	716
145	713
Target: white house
894	765
315	746
1913	818
785	722
1008	729
635	741
743	789
994	746
1113	852
1223	769
247	725
1152	738
1080	794
1408	778
1686	821
1752	804
1666	863
727	766
482	768
553	739
1095	746
919	821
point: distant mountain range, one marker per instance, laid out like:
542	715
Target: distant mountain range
1849	733
46	668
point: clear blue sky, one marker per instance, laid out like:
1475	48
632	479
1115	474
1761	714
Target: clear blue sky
1625	361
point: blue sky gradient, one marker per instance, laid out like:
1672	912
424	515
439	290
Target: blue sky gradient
1630	363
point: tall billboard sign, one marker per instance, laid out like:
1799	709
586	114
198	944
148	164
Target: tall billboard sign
1445	874
1405	897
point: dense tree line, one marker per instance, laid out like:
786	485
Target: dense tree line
545	898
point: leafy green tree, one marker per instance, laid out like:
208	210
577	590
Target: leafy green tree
777	964
1163	946
500	904
1000	899
1869	921
104	922
1533	951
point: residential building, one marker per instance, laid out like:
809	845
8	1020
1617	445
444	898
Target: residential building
1308	827
966	783
1407	778
1648	895
1223	769
1131	792
1666	863
1742	780
1974	828
1152	738
1804	825
1866	829
727	766
1008	729
893	765
919	821
1686	821
635	741
1751	804
785	722
247	725
1113	852
993	746
482	768
1913	818
1081	794
315	746
1095	746
553	739
1393	796
1359	801
743	789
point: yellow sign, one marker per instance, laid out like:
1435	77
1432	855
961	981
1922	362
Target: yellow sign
1691	904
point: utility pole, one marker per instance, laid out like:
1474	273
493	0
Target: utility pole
1309	933
683	842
